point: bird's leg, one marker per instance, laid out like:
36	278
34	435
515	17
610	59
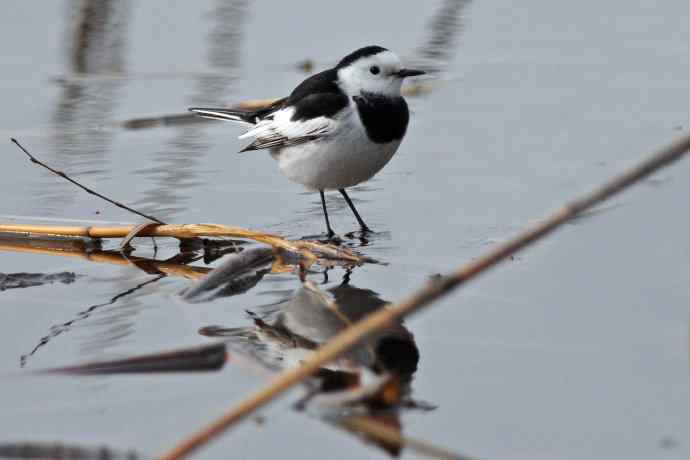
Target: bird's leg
331	233
362	225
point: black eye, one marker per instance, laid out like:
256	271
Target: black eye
374	69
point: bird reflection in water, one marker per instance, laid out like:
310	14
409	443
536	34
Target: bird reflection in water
361	392
372	380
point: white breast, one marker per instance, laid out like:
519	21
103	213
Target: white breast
343	158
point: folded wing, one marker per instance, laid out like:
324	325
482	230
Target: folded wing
309	119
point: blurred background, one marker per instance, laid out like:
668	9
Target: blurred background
577	348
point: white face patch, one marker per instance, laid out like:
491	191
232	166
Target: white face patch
361	75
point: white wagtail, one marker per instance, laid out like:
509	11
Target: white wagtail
338	128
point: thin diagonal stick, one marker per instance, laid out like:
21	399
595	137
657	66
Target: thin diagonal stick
88	190
434	290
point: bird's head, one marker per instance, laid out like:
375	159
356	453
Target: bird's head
372	69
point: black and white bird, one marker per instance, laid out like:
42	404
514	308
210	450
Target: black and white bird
338	128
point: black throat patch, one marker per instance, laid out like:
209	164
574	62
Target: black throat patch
385	118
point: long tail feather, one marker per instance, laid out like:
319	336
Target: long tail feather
225	114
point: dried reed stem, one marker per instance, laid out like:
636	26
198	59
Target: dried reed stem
433	290
306	248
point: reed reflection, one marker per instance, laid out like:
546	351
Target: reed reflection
114	319
116	322
82	138
444	29
363	392
80	133
177	167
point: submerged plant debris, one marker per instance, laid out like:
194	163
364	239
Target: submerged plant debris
24	280
206	358
60	451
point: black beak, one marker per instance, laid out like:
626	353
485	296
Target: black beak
402	73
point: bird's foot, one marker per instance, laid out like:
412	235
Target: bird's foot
325	238
362	234
332	238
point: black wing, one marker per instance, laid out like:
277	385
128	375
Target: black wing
317	96
323	83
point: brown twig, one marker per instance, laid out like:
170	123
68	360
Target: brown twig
83	187
435	289
136	231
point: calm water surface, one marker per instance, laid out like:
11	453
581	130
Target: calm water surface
577	348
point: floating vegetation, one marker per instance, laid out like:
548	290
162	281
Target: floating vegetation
309	250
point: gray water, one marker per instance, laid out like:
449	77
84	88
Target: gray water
576	348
